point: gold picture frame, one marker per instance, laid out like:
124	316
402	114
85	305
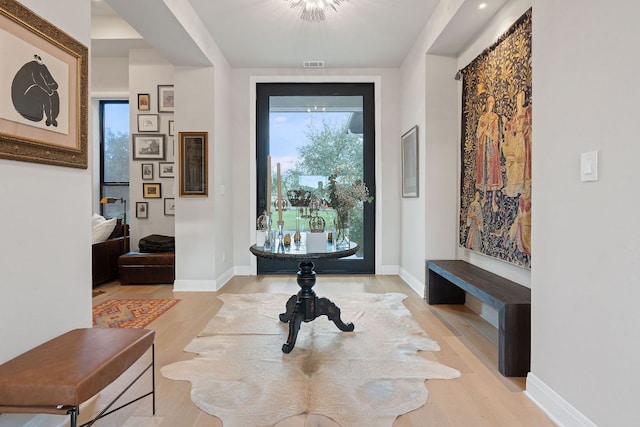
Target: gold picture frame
192	154
151	190
144	102
44	120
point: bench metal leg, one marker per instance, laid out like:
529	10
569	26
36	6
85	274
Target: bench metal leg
106	411
73	414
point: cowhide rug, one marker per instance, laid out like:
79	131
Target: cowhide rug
367	377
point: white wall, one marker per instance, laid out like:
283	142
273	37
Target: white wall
109	76
586	265
45	217
429	101
412	210
387	195
204	226
196	229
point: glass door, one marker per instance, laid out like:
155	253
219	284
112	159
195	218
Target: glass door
314	131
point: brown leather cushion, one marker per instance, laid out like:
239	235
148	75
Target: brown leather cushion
70	368
147	258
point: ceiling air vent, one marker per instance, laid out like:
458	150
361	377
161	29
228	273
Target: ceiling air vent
313	64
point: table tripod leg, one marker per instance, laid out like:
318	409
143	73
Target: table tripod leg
291	304
295	321
332	311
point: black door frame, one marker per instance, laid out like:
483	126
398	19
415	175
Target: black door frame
365	265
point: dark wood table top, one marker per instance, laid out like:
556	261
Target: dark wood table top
293	252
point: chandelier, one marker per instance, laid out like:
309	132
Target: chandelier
314	10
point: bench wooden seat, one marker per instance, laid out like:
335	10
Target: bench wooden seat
448	280
59	375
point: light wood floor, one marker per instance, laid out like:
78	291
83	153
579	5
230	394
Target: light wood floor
480	397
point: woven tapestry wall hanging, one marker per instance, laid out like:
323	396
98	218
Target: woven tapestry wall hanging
495	194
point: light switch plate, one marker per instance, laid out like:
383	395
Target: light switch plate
589	166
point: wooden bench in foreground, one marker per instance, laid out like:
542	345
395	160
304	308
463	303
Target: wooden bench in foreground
59	375
447	282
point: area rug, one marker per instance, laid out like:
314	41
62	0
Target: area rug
130	313
363	378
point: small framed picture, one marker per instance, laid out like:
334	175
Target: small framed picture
148	123
410	163
142	210
193	164
170	206
165	99
165	170
148	147
147	171
143	102
171	128
151	190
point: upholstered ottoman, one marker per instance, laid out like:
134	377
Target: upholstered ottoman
147	268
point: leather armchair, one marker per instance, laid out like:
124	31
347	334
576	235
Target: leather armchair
105	254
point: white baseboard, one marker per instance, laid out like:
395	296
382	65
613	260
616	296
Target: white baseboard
224	278
559	410
243	270
203	285
389	270
413	283
194	286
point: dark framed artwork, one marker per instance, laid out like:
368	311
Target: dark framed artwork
165	170
495	193
192	154
171	128
165	99
148	147
142	210
144	102
151	190
148	123
147	171
43	121
410	163
170	206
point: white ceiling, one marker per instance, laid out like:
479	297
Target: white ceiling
269	34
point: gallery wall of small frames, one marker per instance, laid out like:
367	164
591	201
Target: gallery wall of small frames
155	151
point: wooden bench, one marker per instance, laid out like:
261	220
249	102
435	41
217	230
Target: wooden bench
447	282
59	375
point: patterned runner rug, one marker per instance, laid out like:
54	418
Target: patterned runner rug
363	378
130	313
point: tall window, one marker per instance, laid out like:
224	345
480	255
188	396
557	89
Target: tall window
315	130
114	156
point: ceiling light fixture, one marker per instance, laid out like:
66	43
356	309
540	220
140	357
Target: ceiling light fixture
314	10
